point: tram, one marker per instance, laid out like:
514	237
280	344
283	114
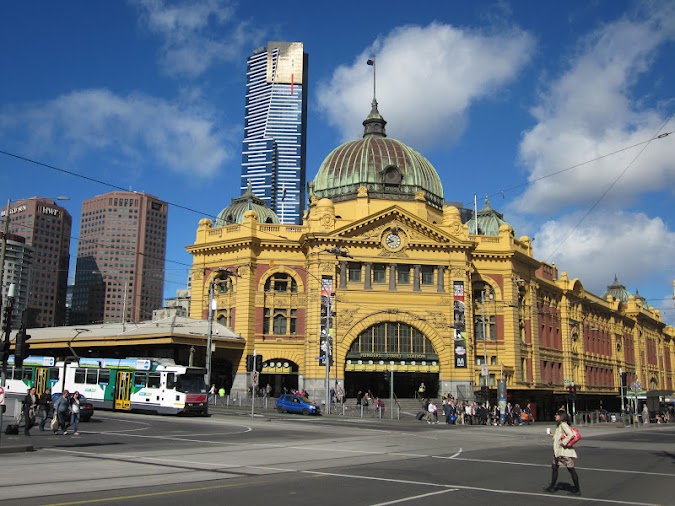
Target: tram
153	385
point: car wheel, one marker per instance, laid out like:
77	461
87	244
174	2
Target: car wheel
305	411
280	409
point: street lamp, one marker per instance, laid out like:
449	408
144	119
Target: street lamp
220	276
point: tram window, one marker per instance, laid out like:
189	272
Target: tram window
154	380
140	379
53	374
79	375
14	373
91	377
27	375
104	376
170	380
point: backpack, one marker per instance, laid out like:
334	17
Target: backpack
576	436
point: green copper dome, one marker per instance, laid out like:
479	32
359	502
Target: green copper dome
387	168
489	221
234	213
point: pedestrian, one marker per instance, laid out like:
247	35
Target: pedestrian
62	412
562	455
268	390
645	413
75	413
30	403
433	412
421	391
45	406
212	393
221	394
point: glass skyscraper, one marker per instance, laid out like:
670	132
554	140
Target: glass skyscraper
275	128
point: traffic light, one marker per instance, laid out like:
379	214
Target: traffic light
624	379
259	363
5	351
249	363
21	347
573	391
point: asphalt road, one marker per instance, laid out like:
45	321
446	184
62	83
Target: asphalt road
141	459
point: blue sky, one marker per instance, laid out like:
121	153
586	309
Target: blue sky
547	107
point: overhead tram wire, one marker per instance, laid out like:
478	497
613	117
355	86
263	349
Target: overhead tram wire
116	187
576	166
279	236
609	188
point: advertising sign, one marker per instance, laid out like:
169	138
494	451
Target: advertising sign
459	325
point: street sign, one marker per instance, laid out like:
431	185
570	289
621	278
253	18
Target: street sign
255	378
484	370
566	382
2	396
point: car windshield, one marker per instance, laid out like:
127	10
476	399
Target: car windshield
191	383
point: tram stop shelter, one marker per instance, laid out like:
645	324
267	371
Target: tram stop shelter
180	338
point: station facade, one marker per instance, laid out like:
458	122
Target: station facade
402	287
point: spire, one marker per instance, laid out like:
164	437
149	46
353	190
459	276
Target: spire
374	124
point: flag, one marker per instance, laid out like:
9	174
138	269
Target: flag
371	61
283	192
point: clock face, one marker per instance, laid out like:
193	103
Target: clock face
393	241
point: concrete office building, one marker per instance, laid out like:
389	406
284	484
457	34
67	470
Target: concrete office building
275	128
46	227
18	262
119	275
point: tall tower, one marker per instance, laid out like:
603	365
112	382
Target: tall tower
275	128
46	227
119	275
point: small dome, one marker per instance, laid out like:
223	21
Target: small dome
235	212
386	167
617	290
489	221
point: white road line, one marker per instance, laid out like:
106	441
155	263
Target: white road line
415	497
479	489
599	469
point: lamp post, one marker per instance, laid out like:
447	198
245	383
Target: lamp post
220	276
338	252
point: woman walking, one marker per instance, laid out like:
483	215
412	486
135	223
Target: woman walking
562	455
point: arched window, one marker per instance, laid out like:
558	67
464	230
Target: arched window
391	337
281	282
280	312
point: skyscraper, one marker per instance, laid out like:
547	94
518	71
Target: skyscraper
275	128
46	227
120	258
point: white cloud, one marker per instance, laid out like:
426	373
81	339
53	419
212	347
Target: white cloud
142	129
197	35
593	109
635	247
427	79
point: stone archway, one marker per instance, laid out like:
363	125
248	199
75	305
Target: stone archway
398	344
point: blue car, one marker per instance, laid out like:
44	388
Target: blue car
291	403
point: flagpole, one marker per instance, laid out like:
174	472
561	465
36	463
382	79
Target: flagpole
475	212
372	62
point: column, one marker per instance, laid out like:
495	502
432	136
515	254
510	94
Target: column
368	276
343	274
416	278
392	277
441	278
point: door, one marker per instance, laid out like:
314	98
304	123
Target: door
41	375
123	391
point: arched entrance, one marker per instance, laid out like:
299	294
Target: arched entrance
391	345
280	374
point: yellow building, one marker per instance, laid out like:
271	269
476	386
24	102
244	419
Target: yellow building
402	282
